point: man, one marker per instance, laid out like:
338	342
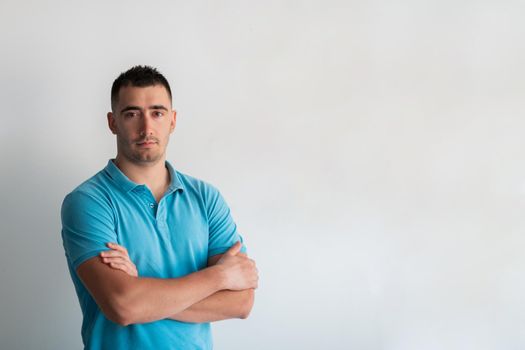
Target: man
177	231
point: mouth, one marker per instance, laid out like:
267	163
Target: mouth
146	144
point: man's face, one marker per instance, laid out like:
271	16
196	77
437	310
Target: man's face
143	121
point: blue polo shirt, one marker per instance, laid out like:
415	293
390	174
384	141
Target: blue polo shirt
168	239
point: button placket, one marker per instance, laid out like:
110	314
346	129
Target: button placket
161	214
147	197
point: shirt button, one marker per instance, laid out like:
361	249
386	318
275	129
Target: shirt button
152	205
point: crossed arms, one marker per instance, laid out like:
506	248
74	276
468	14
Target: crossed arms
223	290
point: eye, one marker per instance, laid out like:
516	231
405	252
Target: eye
158	114
130	114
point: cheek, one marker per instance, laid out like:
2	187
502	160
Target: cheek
127	135
163	138
165	131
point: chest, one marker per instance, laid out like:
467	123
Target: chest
166	239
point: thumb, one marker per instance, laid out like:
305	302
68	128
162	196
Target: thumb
234	249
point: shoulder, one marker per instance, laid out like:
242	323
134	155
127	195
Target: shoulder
202	192
195	185
91	194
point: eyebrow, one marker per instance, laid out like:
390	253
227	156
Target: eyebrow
158	107
137	108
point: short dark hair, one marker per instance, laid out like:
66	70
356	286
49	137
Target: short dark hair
139	76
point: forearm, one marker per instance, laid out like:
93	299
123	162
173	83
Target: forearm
139	300
225	304
222	305
212	294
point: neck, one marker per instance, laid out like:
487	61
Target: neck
154	175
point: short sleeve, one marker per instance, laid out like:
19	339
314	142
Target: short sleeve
87	225
222	229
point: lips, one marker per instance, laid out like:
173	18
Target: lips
146	144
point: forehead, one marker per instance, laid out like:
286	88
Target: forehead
144	96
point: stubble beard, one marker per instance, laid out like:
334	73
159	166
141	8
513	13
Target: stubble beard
146	157
141	157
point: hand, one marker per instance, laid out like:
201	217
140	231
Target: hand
240	271
118	259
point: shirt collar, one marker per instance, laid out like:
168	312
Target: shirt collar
127	185
175	183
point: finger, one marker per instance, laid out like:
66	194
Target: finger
121	267
127	268
118	260
234	249
131	268
254	284
117	247
112	253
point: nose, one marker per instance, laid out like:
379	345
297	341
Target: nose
146	126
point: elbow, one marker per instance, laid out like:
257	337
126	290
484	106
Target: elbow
247	304
244	315
120	311
123	319
123	316
119	316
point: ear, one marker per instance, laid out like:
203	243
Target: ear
173	121
111	123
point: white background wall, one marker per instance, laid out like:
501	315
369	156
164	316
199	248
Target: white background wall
371	152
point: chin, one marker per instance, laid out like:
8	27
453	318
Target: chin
147	158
